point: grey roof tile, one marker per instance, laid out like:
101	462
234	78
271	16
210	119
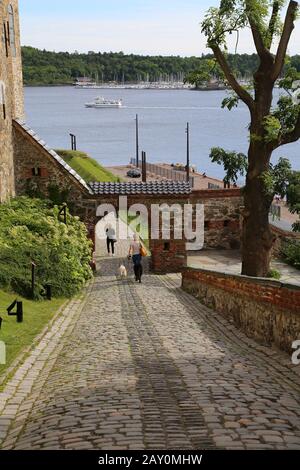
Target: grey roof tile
158	188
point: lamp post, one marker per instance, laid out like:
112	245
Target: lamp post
33	266
73	142
144	167
137	139
188	152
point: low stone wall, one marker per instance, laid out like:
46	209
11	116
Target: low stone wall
282	237
266	310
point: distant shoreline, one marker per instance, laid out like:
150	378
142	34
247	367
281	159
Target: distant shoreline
129	88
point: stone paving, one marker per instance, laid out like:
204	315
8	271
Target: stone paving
229	261
146	366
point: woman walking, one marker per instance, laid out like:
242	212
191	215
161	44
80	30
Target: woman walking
111	239
135	252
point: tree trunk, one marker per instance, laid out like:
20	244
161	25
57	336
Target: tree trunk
257	238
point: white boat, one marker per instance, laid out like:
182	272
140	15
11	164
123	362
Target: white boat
101	102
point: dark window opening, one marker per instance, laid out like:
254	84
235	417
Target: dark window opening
226	223
2	100
206	224
36	171
5	39
167	246
11	30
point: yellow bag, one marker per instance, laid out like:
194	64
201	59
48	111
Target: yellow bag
143	251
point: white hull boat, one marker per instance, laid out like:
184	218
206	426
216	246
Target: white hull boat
104	103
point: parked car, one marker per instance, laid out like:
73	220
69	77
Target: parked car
134	173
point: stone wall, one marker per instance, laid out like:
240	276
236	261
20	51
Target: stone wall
31	157
222	212
266	310
282	237
11	95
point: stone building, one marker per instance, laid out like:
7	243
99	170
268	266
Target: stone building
26	162
29	166
11	92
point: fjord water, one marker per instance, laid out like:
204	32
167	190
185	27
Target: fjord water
108	135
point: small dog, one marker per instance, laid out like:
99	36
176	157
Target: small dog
122	271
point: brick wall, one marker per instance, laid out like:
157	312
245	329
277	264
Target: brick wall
168	256
266	310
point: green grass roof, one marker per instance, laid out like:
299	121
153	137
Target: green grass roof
87	167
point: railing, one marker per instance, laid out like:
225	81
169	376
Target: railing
214	186
166	173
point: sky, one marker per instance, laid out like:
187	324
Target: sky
147	27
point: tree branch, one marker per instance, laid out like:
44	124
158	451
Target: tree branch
262	50
272	23
240	91
285	38
292	136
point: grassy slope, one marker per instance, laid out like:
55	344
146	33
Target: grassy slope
87	167
18	336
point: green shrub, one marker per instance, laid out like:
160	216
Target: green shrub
31	232
291	252
274	274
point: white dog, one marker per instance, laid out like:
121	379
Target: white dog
122	271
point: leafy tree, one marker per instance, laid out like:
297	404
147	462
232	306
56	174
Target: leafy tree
234	163
41	67
270	128
208	70
293	196
31	232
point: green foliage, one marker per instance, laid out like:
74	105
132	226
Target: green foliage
291	252
293	196
286	114
88	168
234	15
31	232
230	102
293	192
272	128
291	75
274	274
221	21
234	163
208	70
276	180
67	67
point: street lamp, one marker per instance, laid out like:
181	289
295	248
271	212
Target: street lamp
73	142
188	152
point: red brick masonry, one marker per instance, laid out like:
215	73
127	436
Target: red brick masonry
266	310
262	290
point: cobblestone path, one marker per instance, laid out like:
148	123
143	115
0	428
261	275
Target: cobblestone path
147	367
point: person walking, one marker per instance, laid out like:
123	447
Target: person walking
135	252
111	239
